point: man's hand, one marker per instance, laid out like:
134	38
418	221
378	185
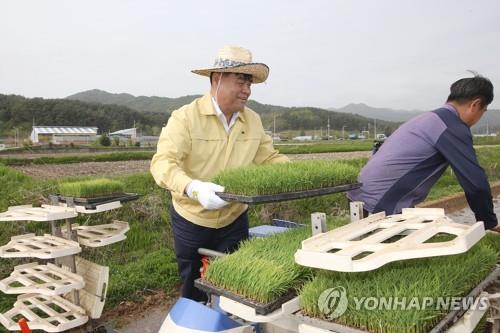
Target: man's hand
204	192
497	228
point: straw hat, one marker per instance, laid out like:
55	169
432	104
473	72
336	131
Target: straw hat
235	59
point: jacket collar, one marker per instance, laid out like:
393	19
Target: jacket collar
207	107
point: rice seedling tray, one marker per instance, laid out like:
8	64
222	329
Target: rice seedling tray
260	308
452	316
259	199
93	202
441	326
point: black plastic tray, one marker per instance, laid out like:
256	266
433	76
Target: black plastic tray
92	203
260	308
258	199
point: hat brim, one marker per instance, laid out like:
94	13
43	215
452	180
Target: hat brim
259	71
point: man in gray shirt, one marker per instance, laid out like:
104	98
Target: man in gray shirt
412	159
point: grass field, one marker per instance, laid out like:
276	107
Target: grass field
146	259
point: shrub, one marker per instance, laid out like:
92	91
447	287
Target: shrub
104	140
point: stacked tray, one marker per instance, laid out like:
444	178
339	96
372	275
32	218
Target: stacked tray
47	313
47	280
42	247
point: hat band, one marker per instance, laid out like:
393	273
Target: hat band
222	63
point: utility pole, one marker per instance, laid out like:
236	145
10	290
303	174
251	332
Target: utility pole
374	129
16	136
343	138
328	129
274	125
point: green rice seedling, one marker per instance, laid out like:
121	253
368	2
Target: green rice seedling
90	188
448	276
286	177
263	269
492	239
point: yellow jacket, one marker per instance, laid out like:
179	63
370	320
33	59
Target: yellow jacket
194	145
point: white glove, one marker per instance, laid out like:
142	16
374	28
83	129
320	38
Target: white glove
204	192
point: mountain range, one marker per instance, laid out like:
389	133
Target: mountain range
491	118
111	112
162	104
273	116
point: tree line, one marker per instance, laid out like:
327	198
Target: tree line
20	112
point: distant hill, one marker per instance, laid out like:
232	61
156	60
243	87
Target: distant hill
21	112
492	117
287	118
139	103
378	113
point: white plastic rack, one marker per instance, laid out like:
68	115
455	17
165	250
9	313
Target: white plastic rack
42	247
62	295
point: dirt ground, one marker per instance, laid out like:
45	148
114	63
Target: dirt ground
144	317
55	171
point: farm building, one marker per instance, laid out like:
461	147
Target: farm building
148	140
125	134
63	134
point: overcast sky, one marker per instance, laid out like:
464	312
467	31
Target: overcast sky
399	54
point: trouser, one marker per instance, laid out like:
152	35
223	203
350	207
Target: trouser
189	237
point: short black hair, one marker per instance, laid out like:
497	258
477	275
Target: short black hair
467	89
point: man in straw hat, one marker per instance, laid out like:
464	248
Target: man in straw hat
213	133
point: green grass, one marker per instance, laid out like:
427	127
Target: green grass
328	147
152	271
90	188
286	177
120	156
487	140
447	276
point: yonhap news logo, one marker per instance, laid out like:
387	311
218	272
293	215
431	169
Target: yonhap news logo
333	303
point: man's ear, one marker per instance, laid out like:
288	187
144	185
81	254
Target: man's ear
216	77
476	104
